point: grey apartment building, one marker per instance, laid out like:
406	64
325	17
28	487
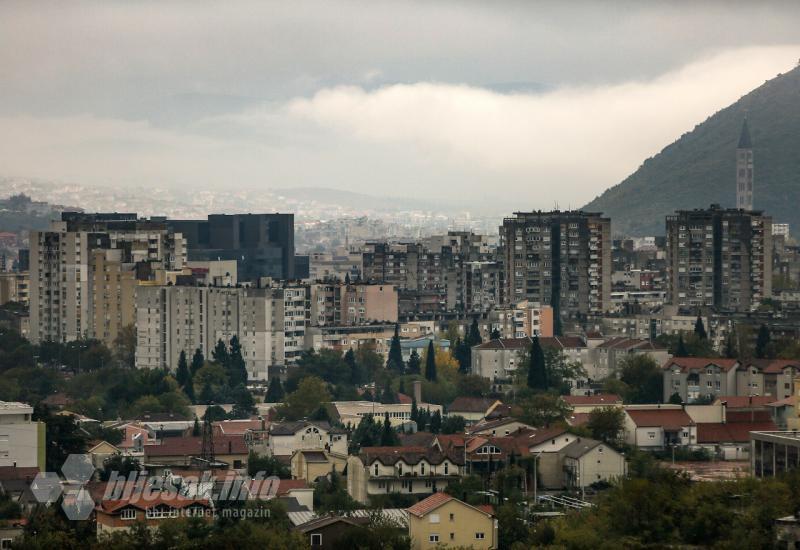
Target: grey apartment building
261	244
719	257
560	259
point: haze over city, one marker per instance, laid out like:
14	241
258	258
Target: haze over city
437	100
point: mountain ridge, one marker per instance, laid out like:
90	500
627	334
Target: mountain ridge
699	168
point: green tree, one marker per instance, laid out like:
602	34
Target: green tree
366	434
275	391
762	342
268	465
544	409
730	346
453	424
387	395
675	399
220	353
537	369
122	465
63	437
237	370
182	375
125	346
700	329
388	434
310	394
244	406
197	361
606	424
414	363
395	361
644	379
430	363
473	385
473	337
436	422
681	350
495	335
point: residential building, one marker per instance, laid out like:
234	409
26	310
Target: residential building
269	322
323	266
14	287
498	360
182	451
22	440
560	259
351	304
730	439
125	513
286	438
341	338
64	276
408	470
522	319
695	378
314	464
444	521
261	244
606	358
324	533
587	461
720	258
657	427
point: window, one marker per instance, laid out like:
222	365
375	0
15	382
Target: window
5	543
433	538
480	536
434	518
651	435
128	513
316	539
452	517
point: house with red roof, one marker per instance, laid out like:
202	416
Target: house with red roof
181	451
767	377
123	514
695	378
730	439
444	521
656	427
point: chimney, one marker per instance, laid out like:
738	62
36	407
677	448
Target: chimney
417	385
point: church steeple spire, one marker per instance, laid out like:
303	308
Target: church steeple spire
744	169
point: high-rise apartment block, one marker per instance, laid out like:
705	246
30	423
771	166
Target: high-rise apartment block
353	304
77	272
262	244
558	259
720	258
269	323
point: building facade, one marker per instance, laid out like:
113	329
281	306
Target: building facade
720	258
559	259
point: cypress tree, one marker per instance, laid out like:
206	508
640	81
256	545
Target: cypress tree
220	353
388	435
182	375
414	363
762	342
237	370
197	361
537	369
430	363
681	351
730	347
473	337
414	410
436	422
699	328
275	391
395	361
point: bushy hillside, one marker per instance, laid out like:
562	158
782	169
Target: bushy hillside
700	168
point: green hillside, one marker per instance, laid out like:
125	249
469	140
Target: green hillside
700	168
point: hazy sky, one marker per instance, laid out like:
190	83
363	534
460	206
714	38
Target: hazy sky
526	103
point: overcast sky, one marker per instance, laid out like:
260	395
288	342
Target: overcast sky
526	103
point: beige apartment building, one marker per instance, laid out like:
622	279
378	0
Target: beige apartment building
352	304
64	283
14	287
269	322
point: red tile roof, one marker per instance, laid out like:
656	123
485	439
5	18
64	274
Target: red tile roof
665	418
745	401
434	501
760	415
731	432
578	419
776	366
192	446
173	500
471	404
697	363
624	343
429	504
597	399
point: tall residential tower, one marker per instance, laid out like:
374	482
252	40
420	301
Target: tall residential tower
744	170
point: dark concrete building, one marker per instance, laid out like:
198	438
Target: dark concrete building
261	244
